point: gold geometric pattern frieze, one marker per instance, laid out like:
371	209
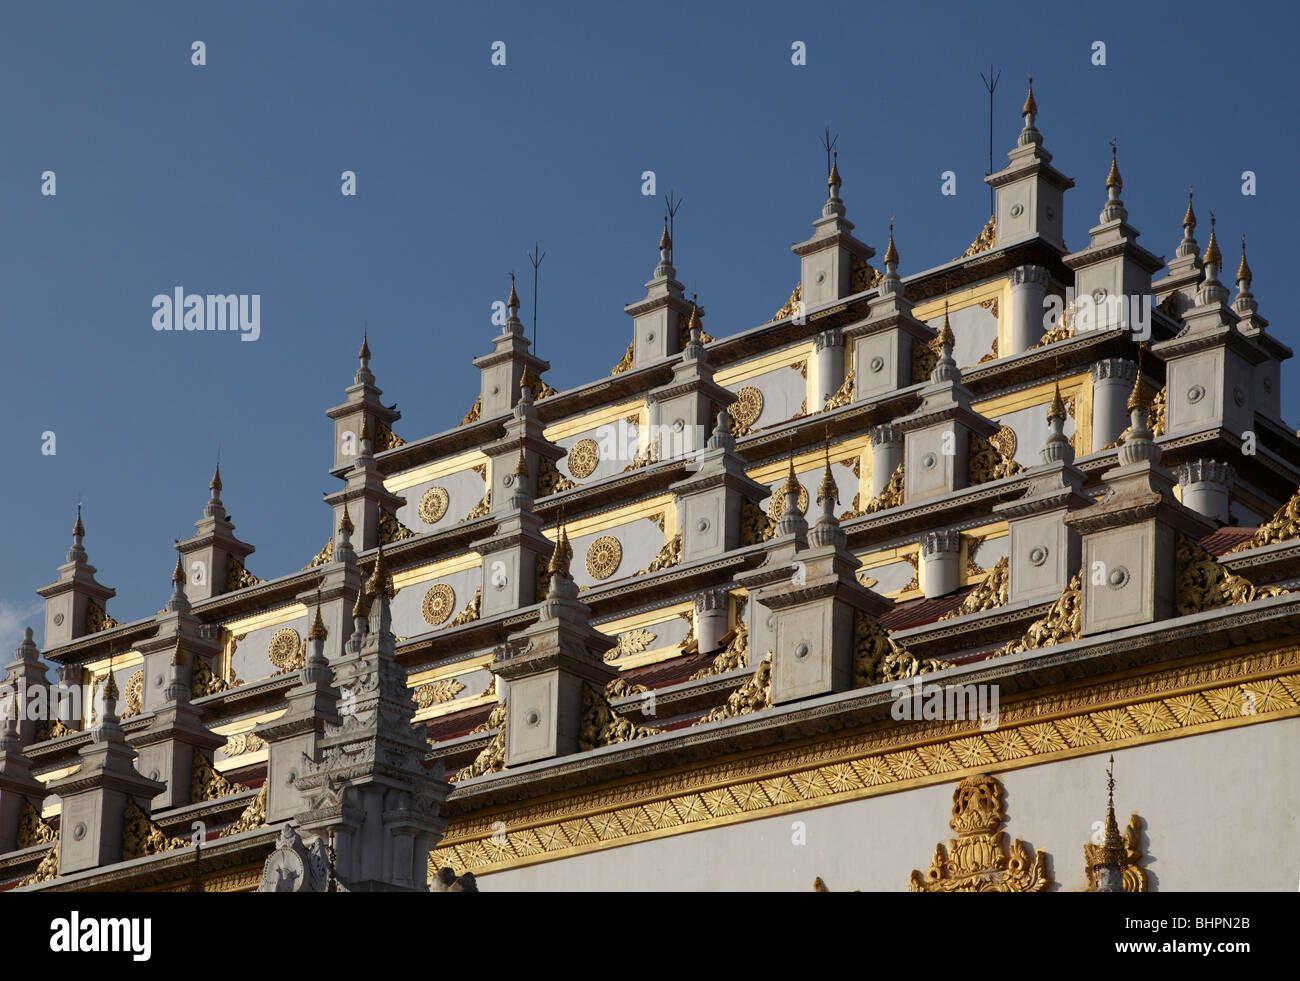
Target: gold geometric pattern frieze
603	557
283	648
747	408
433	505
438	604
1249	688
583	458
776	503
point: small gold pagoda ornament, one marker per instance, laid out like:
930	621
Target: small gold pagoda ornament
977	860
1108	851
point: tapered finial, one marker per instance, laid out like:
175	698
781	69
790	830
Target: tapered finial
1189	219
1113	179
1030	107
1243	270
1212	253
364	353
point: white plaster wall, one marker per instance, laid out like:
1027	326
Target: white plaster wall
1221	811
464	488
974	329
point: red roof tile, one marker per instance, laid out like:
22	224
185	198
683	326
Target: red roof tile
915	612
1223	540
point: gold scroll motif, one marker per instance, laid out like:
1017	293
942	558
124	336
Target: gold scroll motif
33	829
207	784
97	619
493	756
977	860
324	556
753	696
252	816
475	412
625	362
669	556
992	593
471	611
791	305
924	358
204	681
621	688
237	577
1064	328
391	530
141	837
843	395
51	729
890	496
433	505
47	870
983	241
1060	624
991	459
385	438
134	694
1201	583
437	692
755	524
862	275
1282	527
733	657
877	659
1135	877
602	726
551	481
537	388
632	642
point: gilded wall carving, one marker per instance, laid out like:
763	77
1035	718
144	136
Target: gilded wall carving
988	595
669	556
602	726
1135	877
1203	584
433	505
1282	527
141	837
603	557
631	642
753	696
983	241
877	659
1060	624
252	816
437	692
207	784
438	603
471	611
584	457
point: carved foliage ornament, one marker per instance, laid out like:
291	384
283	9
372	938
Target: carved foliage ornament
632	642
669	556
992	593
207	784
1282	527
877	659
753	696
253	816
438	604
1203	584
433	505
141	837
134	694
755	525
977	860
33	829
731	658
991	459
493	756
603	557
602	726
391	530
584	457
97	619
1060	624
437	692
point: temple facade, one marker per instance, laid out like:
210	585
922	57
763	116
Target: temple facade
981	577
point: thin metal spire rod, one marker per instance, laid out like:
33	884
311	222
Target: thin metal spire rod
535	257
990	84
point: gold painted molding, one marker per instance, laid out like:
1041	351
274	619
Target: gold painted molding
1130	709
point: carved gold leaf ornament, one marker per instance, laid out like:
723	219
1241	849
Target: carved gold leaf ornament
733	657
237	744
631	642
97	620
237	577
992	593
977	860
1135	877
877	659
480	509
47	870
141	837
471	611
1061	623
991	459
204	681
602	726
433	505
32	828
776	503
207	784
475	412
493	756
790	305
983	241
625	362
385	438
1282	527
924	358
584	457
252	816
324	556
603	557
670	555
551	481
437	692
862	275
755	525
438	603
134	694
1201	583
890	496
283	649
844	394
745	410
47	729
753	696
391	530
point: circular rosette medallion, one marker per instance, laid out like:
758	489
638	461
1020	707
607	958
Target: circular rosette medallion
433	505
284	647
776	503
747	407
603	557
583	458
438	604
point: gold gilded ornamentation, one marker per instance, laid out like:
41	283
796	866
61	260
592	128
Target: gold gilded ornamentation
438	603
973	543
1060	624
877	659
632	642
602	726
134	694
1282	527
753	696
237	577
471	611
776	503
493	756
32	828
536	387
583	458
97	619
684	334
437	692
50	729
207	784
1135	877
322	557
791	305
983	241
1201	583
755	525
551	481
240	743
988	459
385	438
625	362
47	870
141	837
283	649
433	505
474	413
480	509
731	658
620	688
745	410
669	556
252	816
203	681
843	395
603	557
862	275
988	595
391	530
977	859
924	358
890	496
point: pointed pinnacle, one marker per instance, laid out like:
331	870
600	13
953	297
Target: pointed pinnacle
364	353
1243	270
215	484
178	574
1113	179
79	530
1212	253
1057	408
1030	105
1189	219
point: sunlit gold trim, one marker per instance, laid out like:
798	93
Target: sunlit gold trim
592	420
787	358
440	468
434	570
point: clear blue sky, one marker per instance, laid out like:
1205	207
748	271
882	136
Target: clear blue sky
225	178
